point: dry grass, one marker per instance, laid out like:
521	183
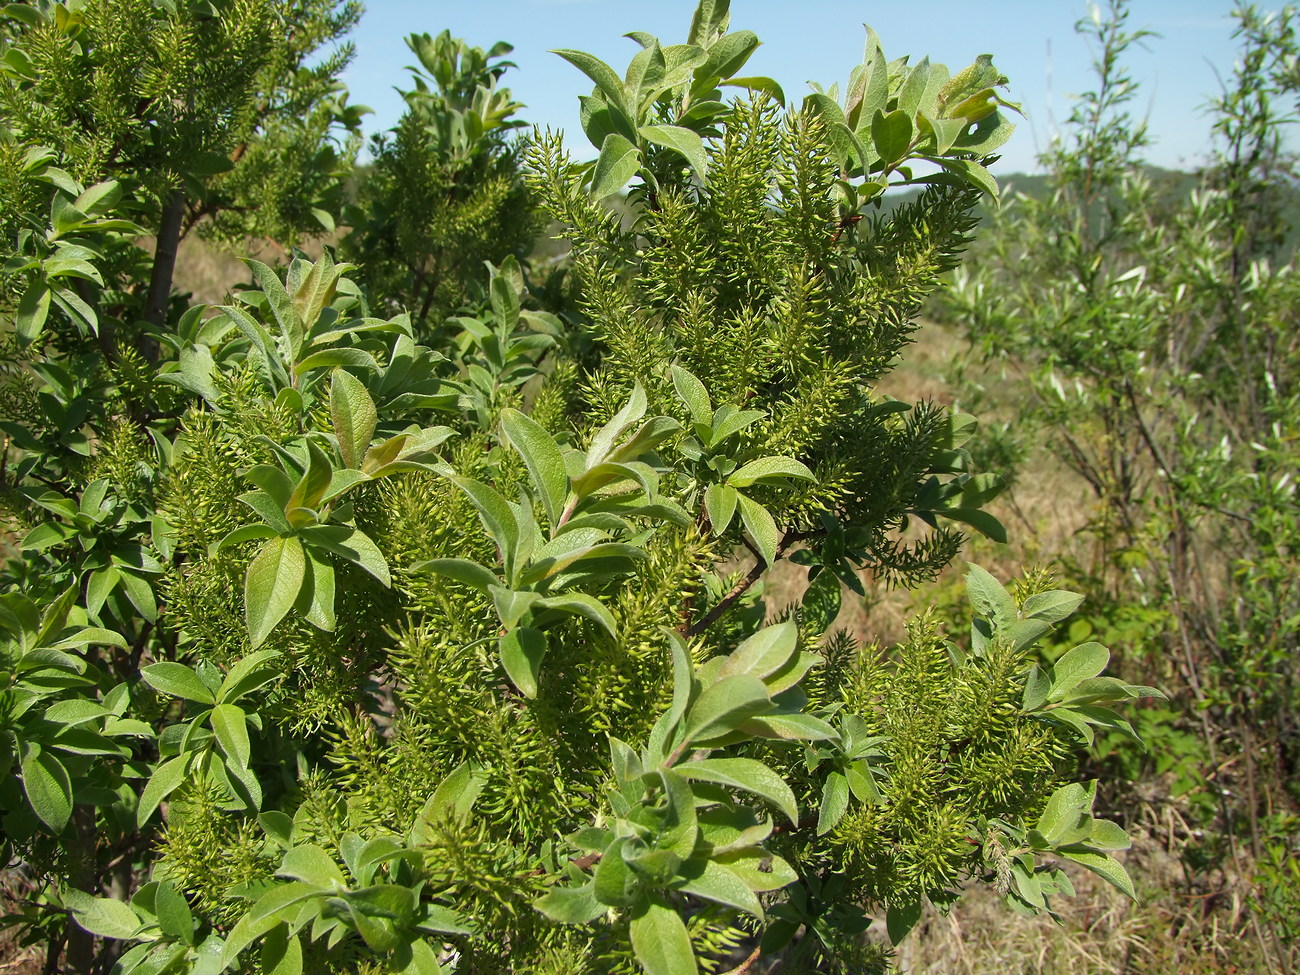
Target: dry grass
208	271
1170	930
15	959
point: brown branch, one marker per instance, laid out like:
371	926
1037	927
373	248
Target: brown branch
724	604
164	263
843	225
747	964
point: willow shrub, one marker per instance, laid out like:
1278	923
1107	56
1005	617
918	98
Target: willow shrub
367	659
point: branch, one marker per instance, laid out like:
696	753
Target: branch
739	589
164	263
745	965
724	604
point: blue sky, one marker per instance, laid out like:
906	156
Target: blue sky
1033	43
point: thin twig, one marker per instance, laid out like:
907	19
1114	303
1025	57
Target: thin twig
724	604
745	965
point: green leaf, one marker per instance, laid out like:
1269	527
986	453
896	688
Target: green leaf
353	413
178	681
606	79
975	175
48	787
724	706
692	392
282	307
648	436
165	780
513	605
312	286
679	830
379	912
1063	819
762	529
747	774
909	96
861	783
461	570
424	960
457	792
278	827
75	712
758	869
315	602
271	585
542	457
760	83
505	301
797	667
1075	666
497	518
715	882
892	135
1025	633
728	54
613	878
312	865
660	941
683	682
33	310
980	520
281	952
989	135
571	905
835	802
794	726
99	198
1105	835
764	653
603	441
441	920
175	919
618	162
1075	720
104	916
944	132
989	597
313	484
239	782
900	919
139	594
522	650
684	142
1051	607
333	358
1104	866
767	469
1037	686
248	674
342	481
720	503
231	728
732	423
245	533
351	544
271	909
97	636
581	604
